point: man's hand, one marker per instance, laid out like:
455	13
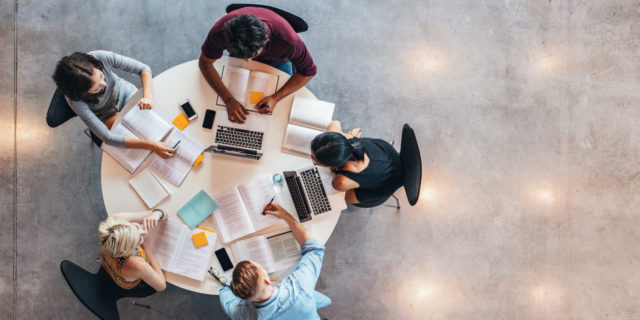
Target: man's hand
277	211
235	111
267	104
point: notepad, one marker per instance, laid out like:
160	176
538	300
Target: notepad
308	118
181	121
199	239
175	169
248	87
197	209
147	186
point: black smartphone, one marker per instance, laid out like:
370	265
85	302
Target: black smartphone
188	110
224	260
209	116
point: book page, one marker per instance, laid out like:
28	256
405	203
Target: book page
256	249
260	85
256	194
231	218
175	169
311	113
148	188
193	262
129	158
298	139
164	241
146	124
285	250
235	80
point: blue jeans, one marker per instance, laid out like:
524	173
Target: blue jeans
321	300
285	67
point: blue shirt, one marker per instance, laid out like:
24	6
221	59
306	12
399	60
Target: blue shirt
291	299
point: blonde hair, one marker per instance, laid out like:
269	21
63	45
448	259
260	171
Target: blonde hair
117	237
245	280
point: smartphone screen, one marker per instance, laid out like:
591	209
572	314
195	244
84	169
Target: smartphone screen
209	116
188	110
224	260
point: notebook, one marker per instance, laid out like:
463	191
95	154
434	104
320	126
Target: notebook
140	124
175	251
147	186
273	253
308	118
239	210
248	87
197	209
175	169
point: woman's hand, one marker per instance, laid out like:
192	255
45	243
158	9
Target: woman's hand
151	221
145	103
163	150
357	132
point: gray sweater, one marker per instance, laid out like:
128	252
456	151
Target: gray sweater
93	114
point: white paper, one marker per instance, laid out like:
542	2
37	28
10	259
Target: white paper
285	250
175	169
311	113
256	194
260	82
298	139
236	80
231	218
256	249
148	188
146	124
164	241
129	158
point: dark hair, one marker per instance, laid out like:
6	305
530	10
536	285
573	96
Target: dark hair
245	280
73	76
246	34
332	149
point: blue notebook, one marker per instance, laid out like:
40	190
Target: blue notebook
197	209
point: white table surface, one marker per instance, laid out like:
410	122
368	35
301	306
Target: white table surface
216	172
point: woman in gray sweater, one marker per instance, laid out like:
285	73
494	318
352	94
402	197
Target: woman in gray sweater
96	94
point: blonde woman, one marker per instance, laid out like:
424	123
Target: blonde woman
123	254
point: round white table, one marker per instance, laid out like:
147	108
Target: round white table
216	172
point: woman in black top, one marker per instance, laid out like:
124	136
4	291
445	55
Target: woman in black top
369	170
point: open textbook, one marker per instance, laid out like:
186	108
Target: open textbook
140	124
273	253
173	247
308	118
248	87
175	169
239	210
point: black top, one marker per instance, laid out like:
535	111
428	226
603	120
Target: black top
384	170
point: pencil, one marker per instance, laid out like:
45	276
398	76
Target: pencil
270	202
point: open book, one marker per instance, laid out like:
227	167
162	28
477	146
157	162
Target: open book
239	210
248	87
308	118
173	247
140	124
273	253
175	169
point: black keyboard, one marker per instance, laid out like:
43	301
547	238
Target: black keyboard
299	202
315	191
239	137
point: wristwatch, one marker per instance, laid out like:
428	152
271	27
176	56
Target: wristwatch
162	216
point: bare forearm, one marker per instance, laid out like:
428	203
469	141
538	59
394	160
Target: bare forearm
147	84
139	144
213	78
154	263
298	230
133	216
296	82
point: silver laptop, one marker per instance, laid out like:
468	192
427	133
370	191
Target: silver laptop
312	193
243	140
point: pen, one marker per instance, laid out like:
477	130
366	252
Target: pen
270	202
176	145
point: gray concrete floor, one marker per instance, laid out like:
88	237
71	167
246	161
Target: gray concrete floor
527	117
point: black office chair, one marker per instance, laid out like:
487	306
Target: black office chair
98	292
297	23
59	112
411	170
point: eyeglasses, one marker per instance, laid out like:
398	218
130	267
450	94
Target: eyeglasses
216	275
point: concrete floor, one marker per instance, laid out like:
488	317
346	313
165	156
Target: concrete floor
526	112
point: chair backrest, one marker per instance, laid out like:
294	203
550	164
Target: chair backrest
297	23
411	164
59	111
96	292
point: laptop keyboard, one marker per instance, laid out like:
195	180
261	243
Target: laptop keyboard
315	191
240	138
298	200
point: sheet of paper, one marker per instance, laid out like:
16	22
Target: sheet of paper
193	262
129	158
311	112
164	240
284	249
260	85
175	169
236	80
231	219
198	208
256	249
146	124
148	188
256	194
298	139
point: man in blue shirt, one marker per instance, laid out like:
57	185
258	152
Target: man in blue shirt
251	294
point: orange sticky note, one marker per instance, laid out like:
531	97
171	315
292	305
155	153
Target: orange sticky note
255	96
198	160
199	239
207	229
181	121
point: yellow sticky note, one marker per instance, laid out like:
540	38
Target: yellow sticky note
199	239
197	162
181	121
255	96
207	229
